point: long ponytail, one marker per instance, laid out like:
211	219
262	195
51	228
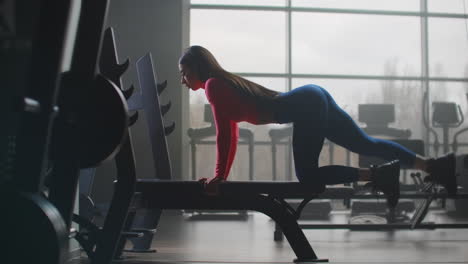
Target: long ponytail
205	64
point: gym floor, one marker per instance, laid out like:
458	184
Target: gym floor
182	238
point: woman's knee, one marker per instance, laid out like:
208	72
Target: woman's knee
306	171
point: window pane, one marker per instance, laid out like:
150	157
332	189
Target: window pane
242	41
405	95
355	44
241	2
444	6
448	47
396	5
455	92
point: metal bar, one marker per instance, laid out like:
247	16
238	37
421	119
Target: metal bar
329	10
370	227
273	159
462	144
288	159
259	142
409	195
352	77
288	225
114	222
193	148
421	212
425	65
289	47
251	144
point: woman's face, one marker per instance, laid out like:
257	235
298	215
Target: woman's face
190	78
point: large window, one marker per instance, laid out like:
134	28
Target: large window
363	52
226	38
330	43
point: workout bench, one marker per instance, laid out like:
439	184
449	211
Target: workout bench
265	197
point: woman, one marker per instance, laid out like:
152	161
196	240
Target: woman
315	116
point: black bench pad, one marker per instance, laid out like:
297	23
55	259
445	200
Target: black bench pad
277	189
265	197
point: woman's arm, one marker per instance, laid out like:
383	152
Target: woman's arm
226	145
233	147
227	131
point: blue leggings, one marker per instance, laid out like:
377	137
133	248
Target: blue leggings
316	116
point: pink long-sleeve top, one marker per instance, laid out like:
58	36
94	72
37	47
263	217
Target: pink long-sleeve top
229	107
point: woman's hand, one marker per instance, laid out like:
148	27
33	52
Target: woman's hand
211	185
203	181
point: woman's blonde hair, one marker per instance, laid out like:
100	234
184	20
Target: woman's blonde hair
202	61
